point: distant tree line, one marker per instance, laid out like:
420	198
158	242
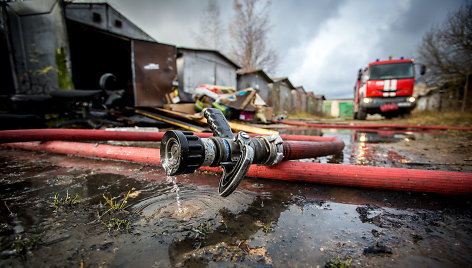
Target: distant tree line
446	50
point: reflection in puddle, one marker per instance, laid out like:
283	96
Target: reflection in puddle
365	149
362	147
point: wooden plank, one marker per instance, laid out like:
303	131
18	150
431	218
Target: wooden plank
248	99
188	108
235	126
251	129
192	117
172	121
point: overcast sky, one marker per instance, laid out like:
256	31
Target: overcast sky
321	43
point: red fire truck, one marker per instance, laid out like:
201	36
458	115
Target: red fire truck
385	87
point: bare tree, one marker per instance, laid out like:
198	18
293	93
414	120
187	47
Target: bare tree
249	36
447	52
211	33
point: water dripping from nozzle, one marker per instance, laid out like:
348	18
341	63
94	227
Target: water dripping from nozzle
176	189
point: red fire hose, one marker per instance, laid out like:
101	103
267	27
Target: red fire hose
292	150
371	126
100	135
442	182
294	146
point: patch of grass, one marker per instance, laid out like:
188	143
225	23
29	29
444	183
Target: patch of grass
206	228
267	228
118	224
203	229
115	223
114	206
440	118
67	201
307	115
338	263
22	245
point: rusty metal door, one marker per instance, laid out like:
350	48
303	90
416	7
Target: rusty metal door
154	69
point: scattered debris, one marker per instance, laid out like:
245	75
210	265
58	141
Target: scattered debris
222	252
377	248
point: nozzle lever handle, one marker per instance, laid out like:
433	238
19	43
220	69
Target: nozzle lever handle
218	124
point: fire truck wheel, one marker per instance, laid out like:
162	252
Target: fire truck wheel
389	116
362	114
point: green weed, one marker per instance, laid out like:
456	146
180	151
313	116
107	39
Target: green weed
22	245
114	206
267	228
204	229
117	224
338	263
67	201
113	222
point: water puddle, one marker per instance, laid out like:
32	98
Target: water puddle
136	215
369	147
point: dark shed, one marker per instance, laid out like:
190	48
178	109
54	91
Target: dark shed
62	45
256	79
299	99
204	66
281	96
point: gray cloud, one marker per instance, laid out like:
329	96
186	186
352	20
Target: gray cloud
361	32
321	44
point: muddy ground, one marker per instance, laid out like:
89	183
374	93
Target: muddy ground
182	222
447	151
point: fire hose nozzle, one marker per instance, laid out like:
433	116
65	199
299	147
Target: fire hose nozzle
183	152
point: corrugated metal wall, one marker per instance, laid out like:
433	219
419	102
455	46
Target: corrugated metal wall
299	101
203	67
285	100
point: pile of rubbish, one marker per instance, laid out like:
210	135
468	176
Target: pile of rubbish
245	104
109	107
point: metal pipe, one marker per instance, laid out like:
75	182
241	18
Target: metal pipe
398	179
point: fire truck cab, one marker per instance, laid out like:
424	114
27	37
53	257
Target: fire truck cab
385	87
